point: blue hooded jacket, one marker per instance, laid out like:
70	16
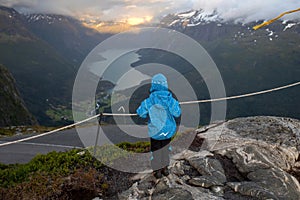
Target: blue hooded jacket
161	108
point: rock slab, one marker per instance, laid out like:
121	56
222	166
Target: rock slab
244	158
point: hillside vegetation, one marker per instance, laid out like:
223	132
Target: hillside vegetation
12	108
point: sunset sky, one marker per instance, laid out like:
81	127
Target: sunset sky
140	11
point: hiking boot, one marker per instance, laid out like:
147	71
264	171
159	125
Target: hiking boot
157	174
165	171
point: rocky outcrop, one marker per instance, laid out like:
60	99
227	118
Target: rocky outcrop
12	107
244	158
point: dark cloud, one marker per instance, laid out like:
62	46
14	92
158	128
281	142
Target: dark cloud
247	10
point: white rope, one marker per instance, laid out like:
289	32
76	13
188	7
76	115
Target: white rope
125	114
119	114
48	133
240	96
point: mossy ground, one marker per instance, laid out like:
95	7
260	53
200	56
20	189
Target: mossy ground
75	174
13	130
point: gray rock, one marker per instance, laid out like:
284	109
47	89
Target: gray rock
125	195
250	157
277	181
205	181
219	190
273	130
174	194
208	166
161	187
253	190
146	185
245	158
252	144
269	183
179	168
211	170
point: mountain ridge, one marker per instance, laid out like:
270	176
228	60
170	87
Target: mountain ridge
12	107
47	59
52	48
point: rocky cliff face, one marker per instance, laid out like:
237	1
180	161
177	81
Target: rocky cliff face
244	158
12	108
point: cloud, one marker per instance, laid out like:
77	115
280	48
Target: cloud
250	10
245	11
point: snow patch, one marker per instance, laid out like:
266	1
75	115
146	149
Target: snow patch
174	22
49	19
187	15
194	24
270	32
195	18
289	26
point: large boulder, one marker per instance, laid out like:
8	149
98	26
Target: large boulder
244	158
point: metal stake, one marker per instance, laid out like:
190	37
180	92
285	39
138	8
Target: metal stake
98	132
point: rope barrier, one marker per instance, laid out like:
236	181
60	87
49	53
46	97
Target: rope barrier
134	114
273	20
241	96
120	114
50	132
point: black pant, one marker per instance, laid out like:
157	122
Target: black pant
160	152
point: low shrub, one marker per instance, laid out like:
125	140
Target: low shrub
74	174
61	163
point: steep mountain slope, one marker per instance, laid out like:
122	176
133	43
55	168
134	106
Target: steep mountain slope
44	57
67	35
43	52
12	107
40	72
248	60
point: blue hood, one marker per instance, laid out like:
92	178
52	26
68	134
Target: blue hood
159	83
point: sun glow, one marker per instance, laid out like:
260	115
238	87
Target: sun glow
124	24
133	21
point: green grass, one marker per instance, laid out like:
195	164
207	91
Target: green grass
13	130
138	147
110	153
64	175
53	163
64	163
57	113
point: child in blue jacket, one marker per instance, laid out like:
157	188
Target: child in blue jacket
161	108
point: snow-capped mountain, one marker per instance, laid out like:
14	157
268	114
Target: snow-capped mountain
204	25
52	47
50	19
191	18
200	17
